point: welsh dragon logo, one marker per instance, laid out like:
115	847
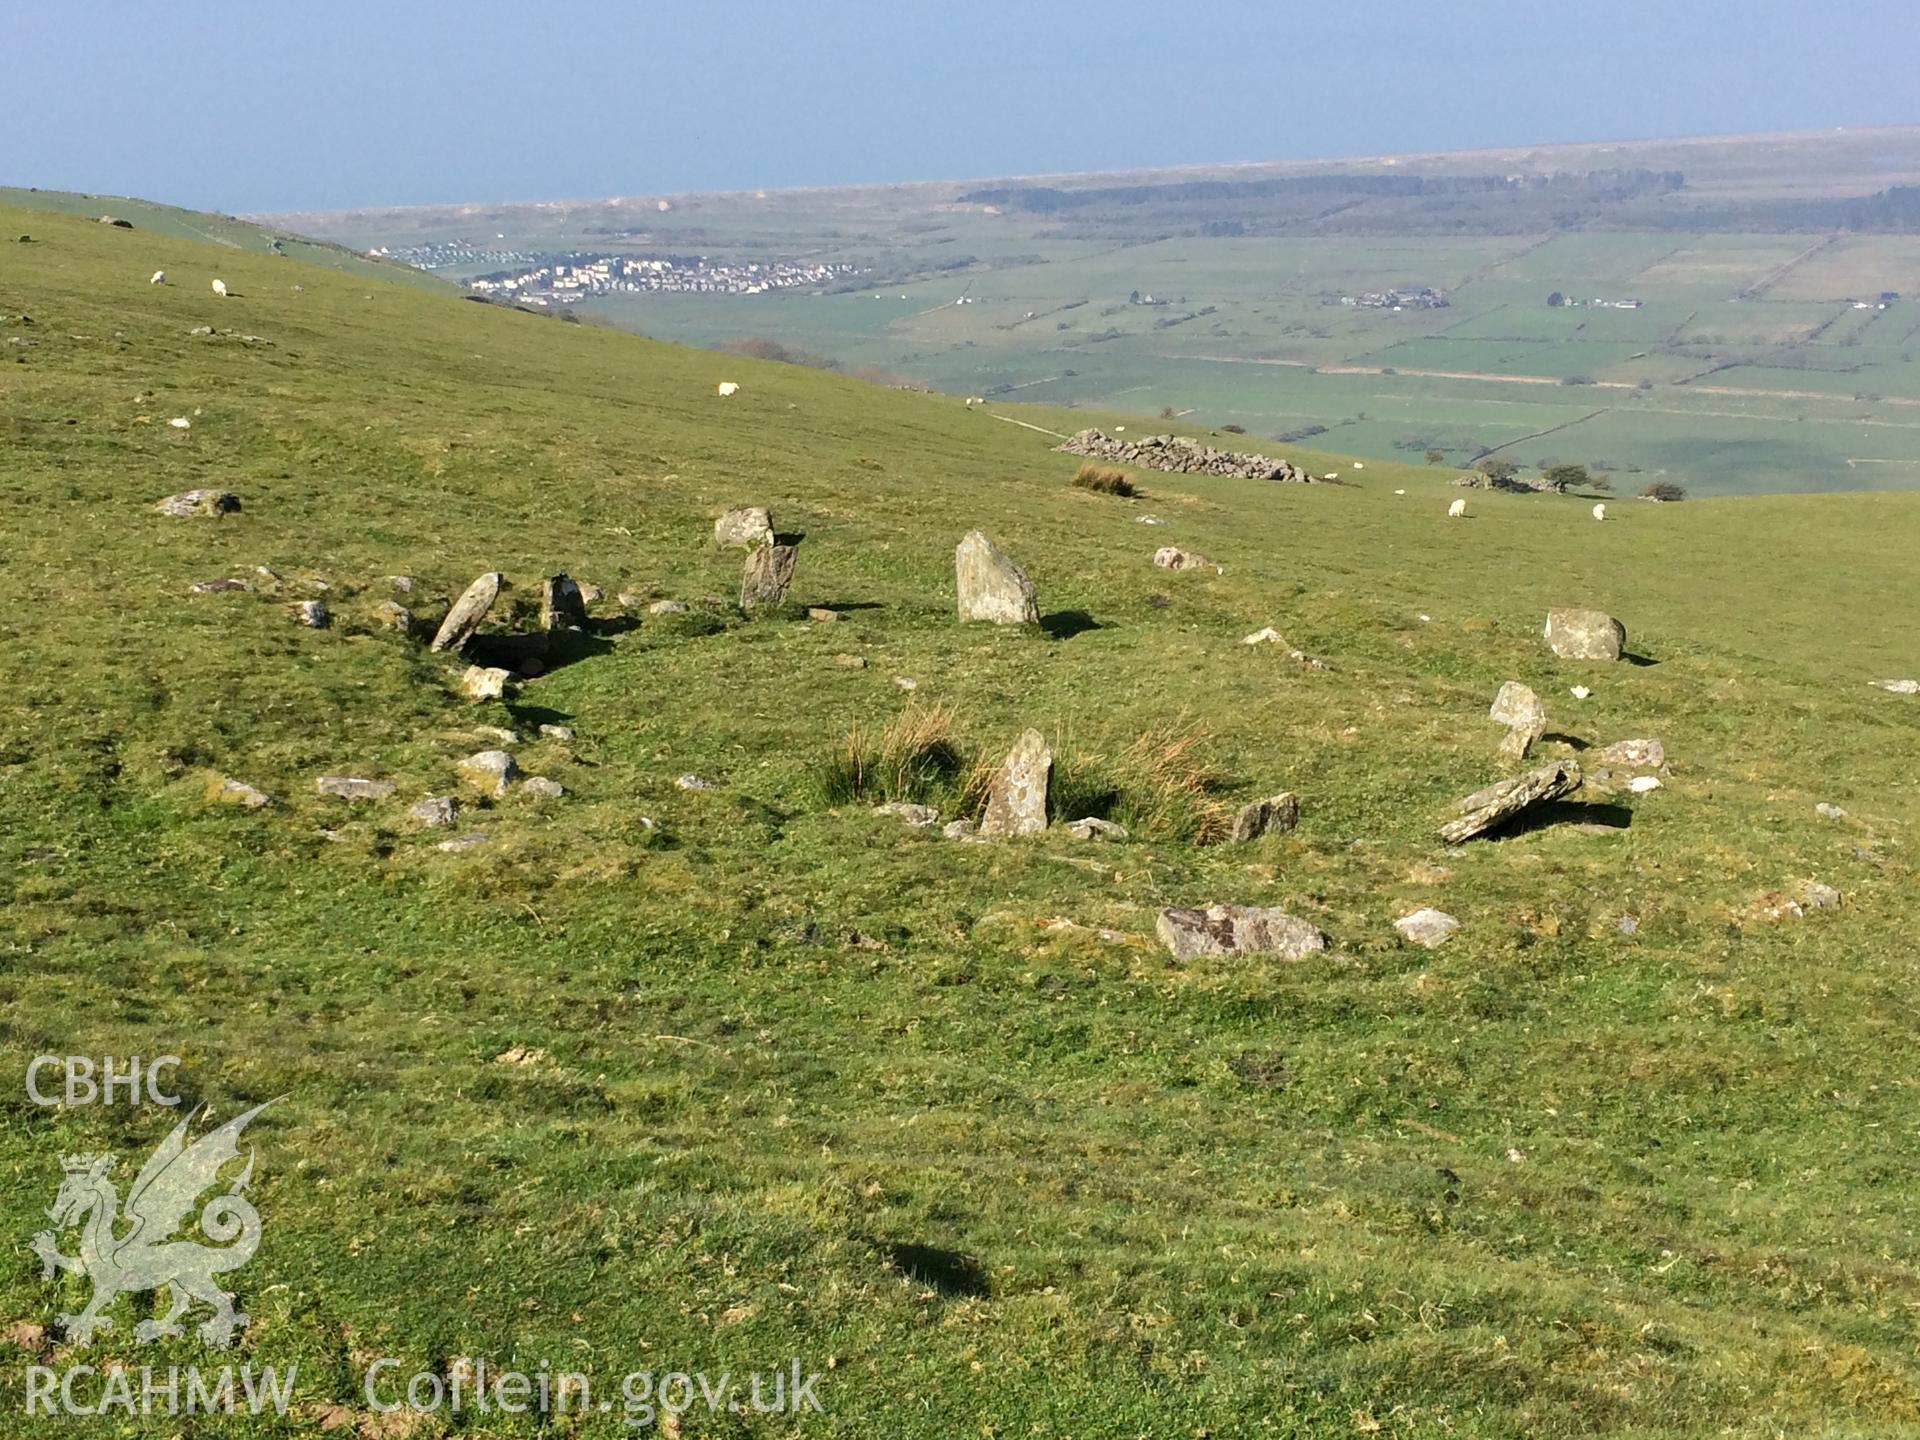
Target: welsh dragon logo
146	1256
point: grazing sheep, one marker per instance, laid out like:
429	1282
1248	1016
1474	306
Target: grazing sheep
159	278
1399	492
220	288
973	400
727	387
1358	466
1456	509
1600	512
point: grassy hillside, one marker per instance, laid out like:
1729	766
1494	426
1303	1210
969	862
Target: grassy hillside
701	1080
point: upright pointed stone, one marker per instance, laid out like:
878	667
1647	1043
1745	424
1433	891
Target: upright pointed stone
468	611
562	606
768	572
990	586
1017	799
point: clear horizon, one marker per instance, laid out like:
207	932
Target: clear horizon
241	109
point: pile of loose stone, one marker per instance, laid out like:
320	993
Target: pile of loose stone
1183	456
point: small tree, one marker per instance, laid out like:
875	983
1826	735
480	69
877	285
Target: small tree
1497	469
1556	299
1436	457
1566	477
1665	490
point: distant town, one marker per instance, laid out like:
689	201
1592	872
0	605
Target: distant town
1403	297
536	279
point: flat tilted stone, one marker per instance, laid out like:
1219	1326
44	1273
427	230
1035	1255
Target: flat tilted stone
1017	798
990	586
468	611
750	525
189	503
1585	635
766	575
1237	930
349	787
1497	805
1270	816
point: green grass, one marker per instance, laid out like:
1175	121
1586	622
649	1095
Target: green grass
812	1084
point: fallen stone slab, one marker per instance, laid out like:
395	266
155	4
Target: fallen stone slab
468	611
350	787
220	587
1899	687
1237	930
990	586
1500	804
189	503
1585	635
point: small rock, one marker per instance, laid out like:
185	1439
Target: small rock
1172	557
1017	797
435	812
542	788
917	817
347	787
1237	930
1093	828
822	614
1148	520
1632	754
220	587
1585	635
1818	896
960	830
989	586
465	842
557	732
1427	926
401	584
690	781
1628	924
1580	692
189	503
495	732
396	617
201	330
313	614
906	682
1829	812
590	594
1641	784
667	607
751	526
489	771
1900	687
851	662
238	792
483	682
1271	816
1268	636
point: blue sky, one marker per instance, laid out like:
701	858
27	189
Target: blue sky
276	104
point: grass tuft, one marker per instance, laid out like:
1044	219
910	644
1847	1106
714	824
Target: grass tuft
1105	480
911	758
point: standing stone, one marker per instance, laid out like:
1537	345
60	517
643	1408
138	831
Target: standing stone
768	572
1265	817
395	616
751	526
1585	635
1488	809
1520	710
991	586
1237	930
1017	799
468	611
562	607
313	614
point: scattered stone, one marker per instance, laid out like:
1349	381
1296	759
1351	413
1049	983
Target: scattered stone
1268	636
960	830
401	584
1641	784
201	330
690	781
495	732
851	662
1271	816
481	682
906	682
178	422
347	787
465	842
1585	635
1094	828
1427	926
1818	896
562	606
1182	456
189	503
313	614
822	614
990	586
468	611
751	526
1148	520
917	817
590	594
1487	810
1237	930
557	732
395	616
1017	798
435	812
1580	692
520	1055
220	587
1900	687
1422	873
1829	812
766	575
1632	754
542	788
1628	924
1520	710
238	792
1172	557
667	607
489	771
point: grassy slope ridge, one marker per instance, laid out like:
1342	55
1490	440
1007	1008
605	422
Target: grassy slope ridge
1011	1179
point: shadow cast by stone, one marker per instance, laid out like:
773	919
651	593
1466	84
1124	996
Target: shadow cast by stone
1553	813
948	1272
1065	624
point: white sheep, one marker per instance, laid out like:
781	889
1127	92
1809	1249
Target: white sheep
975	400
220	288
1399	492
1456	509
727	387
1358	466
159	278
1600	512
